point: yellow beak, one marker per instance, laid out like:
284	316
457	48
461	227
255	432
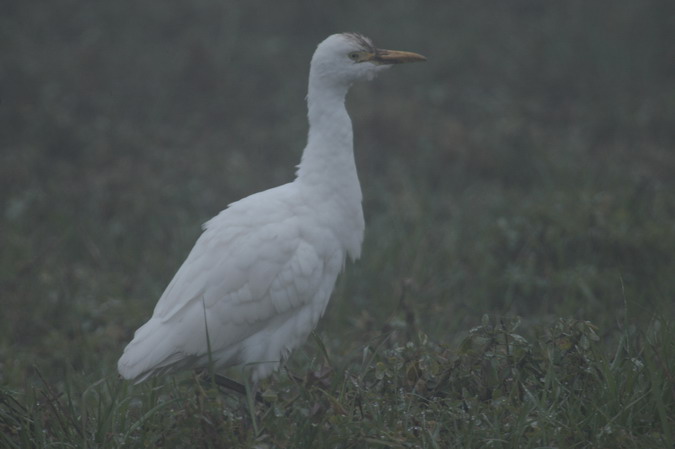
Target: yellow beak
395	57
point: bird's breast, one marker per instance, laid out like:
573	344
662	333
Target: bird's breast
340	214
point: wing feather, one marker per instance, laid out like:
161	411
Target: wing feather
235	282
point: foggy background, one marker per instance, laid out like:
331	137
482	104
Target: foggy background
125	125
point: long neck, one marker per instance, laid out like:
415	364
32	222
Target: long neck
327	171
328	158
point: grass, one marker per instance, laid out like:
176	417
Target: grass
495	389
516	286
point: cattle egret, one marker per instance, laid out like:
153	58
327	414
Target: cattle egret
259	277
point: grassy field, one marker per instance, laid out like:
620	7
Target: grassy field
517	283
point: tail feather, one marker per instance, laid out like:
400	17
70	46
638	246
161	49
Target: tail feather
150	353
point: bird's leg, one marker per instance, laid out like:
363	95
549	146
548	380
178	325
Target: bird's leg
251	397
233	385
299	380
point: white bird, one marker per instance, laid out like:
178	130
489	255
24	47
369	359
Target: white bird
260	276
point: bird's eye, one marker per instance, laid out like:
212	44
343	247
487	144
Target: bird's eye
354	56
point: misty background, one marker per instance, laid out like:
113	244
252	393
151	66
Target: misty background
526	168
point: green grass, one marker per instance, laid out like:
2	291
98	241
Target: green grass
516	286
495	389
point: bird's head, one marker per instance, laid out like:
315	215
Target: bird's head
347	57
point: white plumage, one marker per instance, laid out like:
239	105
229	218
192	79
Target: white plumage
260	276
